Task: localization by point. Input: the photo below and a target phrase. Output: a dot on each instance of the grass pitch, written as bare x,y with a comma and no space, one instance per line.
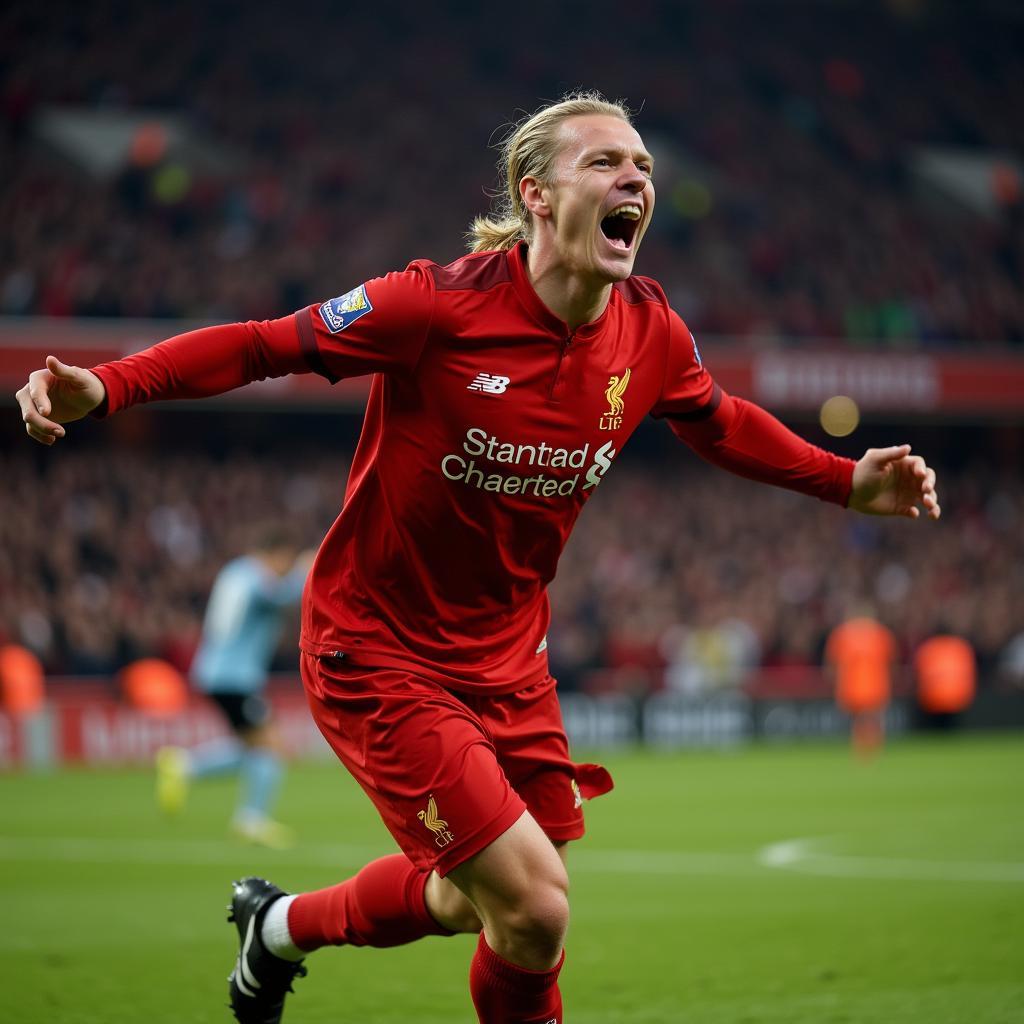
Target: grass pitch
760,886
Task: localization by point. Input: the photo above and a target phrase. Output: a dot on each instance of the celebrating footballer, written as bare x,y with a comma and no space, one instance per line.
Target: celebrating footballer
504,387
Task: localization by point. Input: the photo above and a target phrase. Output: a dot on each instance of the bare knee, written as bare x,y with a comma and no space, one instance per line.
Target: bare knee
528,921
520,889
539,919
535,918
449,907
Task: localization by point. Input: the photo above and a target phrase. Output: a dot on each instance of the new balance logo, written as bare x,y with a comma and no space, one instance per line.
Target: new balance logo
492,383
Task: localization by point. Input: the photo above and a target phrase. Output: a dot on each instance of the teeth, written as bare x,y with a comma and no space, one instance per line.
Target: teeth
628,210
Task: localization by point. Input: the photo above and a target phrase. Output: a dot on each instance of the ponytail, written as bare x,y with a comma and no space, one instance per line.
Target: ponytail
495,234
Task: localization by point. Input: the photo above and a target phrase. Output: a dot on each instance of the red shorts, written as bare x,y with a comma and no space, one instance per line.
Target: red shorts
450,773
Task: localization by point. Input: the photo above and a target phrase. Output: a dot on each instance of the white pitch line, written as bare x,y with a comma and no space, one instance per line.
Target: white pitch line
795,855
97,850
662,862
806,857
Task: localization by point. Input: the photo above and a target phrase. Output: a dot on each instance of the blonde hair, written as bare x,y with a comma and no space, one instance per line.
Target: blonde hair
529,150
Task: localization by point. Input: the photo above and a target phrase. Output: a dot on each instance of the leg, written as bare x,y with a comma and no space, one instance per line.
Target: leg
244,714
177,768
261,771
388,903
452,909
868,733
520,890
427,762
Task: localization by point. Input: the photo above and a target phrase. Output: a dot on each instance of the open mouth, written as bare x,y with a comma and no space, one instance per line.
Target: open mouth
620,226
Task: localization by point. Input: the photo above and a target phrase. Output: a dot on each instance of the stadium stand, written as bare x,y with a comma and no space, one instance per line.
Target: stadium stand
795,201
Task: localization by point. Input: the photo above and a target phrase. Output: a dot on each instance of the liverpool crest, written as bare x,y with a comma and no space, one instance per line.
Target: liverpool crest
612,419
436,824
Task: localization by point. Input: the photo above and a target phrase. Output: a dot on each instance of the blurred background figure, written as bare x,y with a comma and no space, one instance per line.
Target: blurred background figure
22,681
861,651
154,687
241,629
945,671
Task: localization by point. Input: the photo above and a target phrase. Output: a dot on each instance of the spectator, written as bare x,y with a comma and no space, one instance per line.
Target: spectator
861,650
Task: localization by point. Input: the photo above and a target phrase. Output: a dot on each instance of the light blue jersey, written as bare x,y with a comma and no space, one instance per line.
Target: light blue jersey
243,624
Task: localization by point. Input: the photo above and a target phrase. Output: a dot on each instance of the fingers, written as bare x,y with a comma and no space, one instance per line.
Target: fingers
931,505
929,497
62,370
40,382
42,430
894,454
38,388
932,510
924,484
35,406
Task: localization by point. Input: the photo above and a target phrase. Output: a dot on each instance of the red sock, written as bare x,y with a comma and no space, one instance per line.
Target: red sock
506,994
383,905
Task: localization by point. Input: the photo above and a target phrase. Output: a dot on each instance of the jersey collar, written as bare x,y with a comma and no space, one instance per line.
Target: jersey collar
557,327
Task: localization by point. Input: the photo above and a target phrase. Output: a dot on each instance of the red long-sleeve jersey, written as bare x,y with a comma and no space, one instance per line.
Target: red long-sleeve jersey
489,426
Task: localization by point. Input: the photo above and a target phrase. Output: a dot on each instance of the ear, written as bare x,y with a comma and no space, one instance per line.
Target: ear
535,197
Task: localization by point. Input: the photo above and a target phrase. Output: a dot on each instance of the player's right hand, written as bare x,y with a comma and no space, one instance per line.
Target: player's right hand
55,395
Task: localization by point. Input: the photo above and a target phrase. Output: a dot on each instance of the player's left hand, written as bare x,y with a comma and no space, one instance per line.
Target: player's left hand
892,482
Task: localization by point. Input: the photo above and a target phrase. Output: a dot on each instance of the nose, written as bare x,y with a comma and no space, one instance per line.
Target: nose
633,179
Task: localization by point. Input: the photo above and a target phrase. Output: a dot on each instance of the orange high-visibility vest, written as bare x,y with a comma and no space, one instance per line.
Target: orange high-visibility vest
22,687
862,651
153,686
946,674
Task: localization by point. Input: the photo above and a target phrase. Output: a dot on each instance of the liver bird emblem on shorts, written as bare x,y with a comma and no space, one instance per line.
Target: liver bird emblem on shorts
612,419
436,824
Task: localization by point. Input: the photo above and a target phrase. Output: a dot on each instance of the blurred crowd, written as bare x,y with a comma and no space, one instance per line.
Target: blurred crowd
683,578
358,141
697,580
124,560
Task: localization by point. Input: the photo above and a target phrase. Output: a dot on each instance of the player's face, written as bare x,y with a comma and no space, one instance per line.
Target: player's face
601,198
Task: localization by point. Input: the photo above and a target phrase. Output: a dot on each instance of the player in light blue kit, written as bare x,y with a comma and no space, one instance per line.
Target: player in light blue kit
241,629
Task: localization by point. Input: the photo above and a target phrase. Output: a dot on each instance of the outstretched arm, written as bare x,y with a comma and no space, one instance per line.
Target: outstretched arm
205,362
745,439
379,327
